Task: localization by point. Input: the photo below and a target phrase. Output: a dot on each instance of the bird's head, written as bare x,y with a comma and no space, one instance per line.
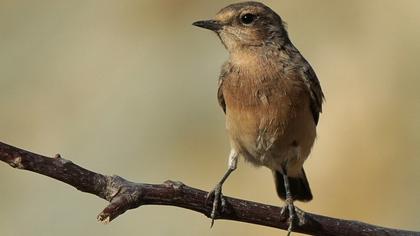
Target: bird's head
247,24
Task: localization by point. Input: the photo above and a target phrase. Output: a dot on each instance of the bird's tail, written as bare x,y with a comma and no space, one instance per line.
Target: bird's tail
299,187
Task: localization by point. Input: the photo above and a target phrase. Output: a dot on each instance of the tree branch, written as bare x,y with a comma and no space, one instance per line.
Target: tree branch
124,195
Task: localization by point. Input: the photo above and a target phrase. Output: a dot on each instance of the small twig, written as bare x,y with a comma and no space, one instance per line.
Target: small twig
124,195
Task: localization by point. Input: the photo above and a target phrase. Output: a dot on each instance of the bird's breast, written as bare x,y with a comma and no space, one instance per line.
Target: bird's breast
266,116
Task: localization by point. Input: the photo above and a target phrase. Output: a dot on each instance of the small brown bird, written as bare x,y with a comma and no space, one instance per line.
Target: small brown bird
271,97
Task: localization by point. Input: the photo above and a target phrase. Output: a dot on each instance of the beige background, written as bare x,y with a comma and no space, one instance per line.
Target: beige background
129,88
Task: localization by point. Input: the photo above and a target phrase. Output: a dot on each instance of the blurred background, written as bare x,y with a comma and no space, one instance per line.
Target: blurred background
129,88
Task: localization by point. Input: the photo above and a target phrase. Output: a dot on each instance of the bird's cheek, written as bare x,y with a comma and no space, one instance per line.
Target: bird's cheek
229,40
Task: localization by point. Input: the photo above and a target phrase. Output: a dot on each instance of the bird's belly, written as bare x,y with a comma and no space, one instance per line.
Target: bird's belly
267,138
243,129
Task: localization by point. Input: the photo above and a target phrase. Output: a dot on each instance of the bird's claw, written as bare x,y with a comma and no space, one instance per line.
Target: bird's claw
219,202
293,213
300,216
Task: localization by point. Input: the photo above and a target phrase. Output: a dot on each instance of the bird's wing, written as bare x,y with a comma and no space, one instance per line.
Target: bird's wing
317,96
226,68
220,97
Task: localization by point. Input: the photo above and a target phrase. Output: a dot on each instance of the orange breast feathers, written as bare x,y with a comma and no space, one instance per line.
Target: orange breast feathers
261,111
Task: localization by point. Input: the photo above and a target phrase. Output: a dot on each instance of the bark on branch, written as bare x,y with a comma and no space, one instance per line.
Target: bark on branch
123,195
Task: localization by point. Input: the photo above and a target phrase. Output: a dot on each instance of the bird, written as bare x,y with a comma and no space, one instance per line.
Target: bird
271,97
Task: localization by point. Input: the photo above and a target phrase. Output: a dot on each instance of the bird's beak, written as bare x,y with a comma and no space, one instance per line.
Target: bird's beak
212,25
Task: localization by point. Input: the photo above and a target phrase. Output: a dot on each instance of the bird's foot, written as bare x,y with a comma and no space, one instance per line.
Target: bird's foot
293,213
300,215
219,203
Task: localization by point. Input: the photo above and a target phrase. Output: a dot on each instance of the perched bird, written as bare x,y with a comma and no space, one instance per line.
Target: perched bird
271,97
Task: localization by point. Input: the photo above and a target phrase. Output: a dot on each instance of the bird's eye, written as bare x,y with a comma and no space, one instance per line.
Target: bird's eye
248,18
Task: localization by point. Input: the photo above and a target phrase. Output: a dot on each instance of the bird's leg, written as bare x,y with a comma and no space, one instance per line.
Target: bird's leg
289,204
216,193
